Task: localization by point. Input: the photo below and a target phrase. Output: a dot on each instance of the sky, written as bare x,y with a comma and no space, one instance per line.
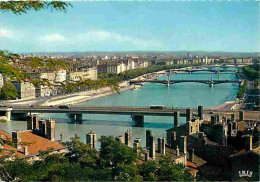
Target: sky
228,26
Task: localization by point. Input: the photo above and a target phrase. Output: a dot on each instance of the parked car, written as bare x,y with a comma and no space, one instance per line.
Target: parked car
64,107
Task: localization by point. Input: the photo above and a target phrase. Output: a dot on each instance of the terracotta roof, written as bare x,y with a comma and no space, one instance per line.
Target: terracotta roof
7,149
37,143
34,142
191,164
4,135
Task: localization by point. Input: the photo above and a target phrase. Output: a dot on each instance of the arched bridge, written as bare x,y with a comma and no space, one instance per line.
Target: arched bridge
169,82
204,70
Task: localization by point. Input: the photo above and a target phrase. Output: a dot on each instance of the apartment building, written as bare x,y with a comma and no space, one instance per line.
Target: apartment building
26,90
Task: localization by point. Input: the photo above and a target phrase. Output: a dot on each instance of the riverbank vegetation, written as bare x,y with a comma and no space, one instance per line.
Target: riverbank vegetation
242,90
251,73
114,162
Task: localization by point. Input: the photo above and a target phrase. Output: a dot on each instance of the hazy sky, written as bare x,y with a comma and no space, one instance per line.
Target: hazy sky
135,26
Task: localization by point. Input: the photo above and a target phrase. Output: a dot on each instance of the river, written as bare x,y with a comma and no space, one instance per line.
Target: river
177,95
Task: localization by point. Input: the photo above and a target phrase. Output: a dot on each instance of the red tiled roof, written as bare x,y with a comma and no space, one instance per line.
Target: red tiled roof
7,149
36,143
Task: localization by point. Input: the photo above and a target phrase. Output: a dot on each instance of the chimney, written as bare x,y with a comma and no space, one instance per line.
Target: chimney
188,114
26,151
16,138
120,138
159,140
50,130
61,137
173,140
249,143
241,116
148,135
212,120
217,119
91,139
200,112
30,122
35,121
191,155
176,119
163,146
136,144
183,144
152,147
177,151
232,117
42,127
146,157
127,138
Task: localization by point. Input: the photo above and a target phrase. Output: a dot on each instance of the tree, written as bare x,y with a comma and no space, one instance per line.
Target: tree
169,171
113,152
81,153
8,91
21,7
147,170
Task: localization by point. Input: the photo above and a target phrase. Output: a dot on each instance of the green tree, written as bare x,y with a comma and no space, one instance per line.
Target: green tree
21,7
81,153
113,152
8,91
169,171
147,170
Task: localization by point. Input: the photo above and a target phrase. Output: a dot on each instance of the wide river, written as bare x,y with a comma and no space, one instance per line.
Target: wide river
177,95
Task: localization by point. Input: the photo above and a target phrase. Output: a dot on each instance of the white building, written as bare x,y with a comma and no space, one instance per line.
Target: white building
1,80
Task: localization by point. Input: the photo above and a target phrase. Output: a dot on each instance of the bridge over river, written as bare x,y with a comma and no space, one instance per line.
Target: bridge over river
169,82
203,70
137,113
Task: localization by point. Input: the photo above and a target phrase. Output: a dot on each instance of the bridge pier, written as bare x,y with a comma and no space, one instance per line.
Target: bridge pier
75,118
72,117
8,114
79,118
19,116
138,120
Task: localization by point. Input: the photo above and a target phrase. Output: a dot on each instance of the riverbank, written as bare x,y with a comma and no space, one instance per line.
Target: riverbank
93,94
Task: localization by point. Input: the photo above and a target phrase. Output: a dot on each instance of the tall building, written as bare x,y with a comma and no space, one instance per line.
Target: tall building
26,90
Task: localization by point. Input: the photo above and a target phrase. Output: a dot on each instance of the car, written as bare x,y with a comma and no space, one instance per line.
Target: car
64,106
31,105
51,106
160,107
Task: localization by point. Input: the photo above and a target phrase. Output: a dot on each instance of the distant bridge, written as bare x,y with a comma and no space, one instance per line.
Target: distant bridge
203,70
169,82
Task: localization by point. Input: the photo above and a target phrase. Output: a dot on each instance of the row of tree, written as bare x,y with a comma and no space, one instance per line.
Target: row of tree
114,162
242,90
251,73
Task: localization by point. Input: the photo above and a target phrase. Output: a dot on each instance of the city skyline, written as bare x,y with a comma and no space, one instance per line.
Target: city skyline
135,26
